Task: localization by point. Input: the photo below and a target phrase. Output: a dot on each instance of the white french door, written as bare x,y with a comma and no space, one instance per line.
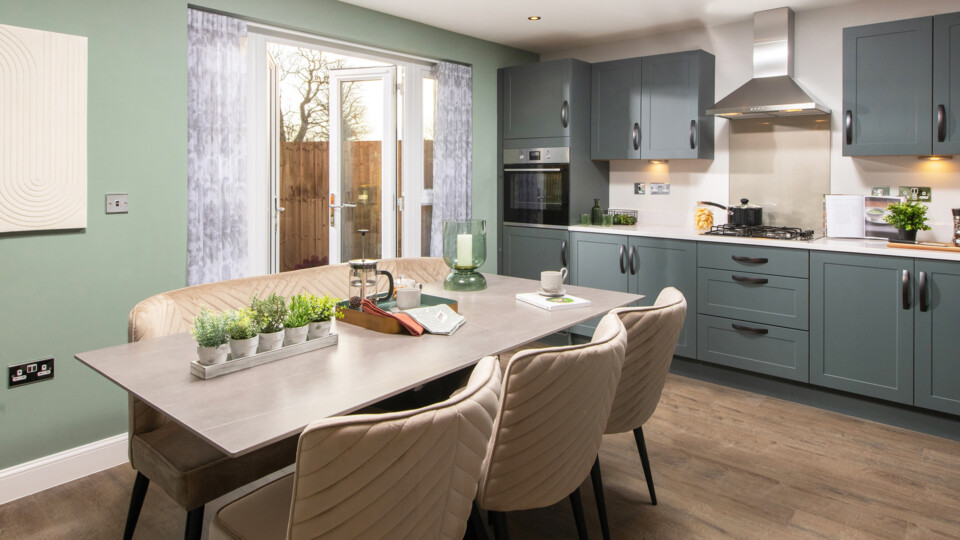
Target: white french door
363,163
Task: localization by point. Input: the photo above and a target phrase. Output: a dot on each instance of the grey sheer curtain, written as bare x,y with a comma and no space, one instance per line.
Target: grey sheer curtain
452,149
216,148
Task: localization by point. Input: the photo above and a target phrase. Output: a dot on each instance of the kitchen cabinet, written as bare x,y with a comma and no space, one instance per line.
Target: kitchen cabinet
937,351
545,100
527,251
862,324
653,107
615,110
760,348
901,87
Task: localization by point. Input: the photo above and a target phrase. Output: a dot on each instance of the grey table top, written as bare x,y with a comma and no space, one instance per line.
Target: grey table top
249,409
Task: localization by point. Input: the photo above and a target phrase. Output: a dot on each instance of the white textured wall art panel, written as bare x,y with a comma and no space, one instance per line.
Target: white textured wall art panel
43,130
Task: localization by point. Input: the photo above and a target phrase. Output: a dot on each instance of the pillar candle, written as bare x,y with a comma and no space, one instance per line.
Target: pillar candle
464,250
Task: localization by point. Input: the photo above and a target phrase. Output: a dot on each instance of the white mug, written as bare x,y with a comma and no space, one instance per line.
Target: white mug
408,298
552,281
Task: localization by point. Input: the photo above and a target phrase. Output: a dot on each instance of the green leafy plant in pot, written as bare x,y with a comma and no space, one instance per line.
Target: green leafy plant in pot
323,309
270,314
210,331
243,331
298,317
908,217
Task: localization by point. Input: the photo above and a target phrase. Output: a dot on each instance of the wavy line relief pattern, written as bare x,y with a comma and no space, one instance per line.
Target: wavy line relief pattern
43,167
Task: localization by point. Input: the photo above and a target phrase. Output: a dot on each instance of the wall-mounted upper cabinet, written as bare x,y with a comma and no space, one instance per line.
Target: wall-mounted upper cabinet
545,100
901,87
653,107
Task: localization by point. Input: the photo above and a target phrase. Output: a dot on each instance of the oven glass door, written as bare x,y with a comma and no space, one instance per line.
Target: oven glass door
536,193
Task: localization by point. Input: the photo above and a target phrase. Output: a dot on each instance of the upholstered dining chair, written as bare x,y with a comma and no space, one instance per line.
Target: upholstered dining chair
553,410
652,335
408,474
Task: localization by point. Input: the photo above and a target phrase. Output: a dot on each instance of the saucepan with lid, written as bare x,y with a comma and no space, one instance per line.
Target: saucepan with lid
742,214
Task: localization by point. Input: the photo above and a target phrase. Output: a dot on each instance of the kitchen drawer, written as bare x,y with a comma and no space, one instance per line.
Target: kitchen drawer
762,298
776,261
771,350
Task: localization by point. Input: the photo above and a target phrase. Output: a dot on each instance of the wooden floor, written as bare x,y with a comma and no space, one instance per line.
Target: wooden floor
727,464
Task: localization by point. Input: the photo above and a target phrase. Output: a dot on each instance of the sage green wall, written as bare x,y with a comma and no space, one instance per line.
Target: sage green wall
67,292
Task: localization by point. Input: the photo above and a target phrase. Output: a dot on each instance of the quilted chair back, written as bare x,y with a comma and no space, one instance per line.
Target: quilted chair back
553,409
652,335
411,474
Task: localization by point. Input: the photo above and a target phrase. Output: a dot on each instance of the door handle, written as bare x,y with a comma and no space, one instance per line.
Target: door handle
848,127
923,292
563,253
905,289
344,205
941,123
565,114
754,260
750,280
636,136
750,329
693,134
623,263
632,256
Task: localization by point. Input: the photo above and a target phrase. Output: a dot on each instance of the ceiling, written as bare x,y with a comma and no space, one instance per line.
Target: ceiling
576,23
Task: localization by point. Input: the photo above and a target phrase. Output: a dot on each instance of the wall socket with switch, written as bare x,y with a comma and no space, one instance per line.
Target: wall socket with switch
30,372
639,188
117,203
659,189
915,193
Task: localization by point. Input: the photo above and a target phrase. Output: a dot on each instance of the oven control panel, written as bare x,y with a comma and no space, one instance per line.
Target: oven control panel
513,156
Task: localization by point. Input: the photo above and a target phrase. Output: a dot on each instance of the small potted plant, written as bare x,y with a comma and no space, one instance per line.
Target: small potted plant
210,331
270,314
322,311
908,217
243,332
298,316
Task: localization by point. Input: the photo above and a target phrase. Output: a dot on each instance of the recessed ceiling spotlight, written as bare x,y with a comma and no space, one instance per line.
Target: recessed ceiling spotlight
533,18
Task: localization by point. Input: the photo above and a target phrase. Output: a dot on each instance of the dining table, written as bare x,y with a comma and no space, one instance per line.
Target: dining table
249,409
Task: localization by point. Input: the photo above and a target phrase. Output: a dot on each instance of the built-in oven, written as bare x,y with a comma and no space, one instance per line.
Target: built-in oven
536,185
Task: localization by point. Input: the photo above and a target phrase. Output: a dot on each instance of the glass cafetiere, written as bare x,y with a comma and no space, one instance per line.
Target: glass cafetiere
363,282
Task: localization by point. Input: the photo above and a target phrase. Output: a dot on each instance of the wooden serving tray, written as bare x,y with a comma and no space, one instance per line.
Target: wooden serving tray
387,325
931,246
208,372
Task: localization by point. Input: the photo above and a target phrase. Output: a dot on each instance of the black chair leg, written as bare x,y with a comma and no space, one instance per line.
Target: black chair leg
194,527
140,486
476,529
499,525
598,494
578,514
645,461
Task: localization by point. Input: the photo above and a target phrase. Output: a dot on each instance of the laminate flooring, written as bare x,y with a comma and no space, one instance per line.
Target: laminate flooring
727,464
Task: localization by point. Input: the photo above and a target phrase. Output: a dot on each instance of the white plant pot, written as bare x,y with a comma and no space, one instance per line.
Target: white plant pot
319,329
295,335
270,342
240,348
213,355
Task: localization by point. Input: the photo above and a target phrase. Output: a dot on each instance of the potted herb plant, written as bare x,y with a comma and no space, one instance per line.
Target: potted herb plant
210,331
322,311
270,314
908,217
298,316
243,332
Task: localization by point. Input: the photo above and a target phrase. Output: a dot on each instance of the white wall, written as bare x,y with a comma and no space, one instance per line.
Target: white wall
818,66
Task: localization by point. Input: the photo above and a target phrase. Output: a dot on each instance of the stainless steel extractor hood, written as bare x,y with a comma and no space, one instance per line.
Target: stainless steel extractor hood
772,91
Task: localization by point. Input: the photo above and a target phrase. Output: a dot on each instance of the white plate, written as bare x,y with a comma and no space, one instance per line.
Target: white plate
552,294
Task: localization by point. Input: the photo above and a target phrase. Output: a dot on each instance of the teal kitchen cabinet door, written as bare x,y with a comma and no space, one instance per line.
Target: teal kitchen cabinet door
946,84
536,100
527,251
937,358
615,110
862,324
655,264
887,87
599,261
676,90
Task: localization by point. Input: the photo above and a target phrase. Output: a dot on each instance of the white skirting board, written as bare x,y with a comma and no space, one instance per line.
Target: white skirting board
60,468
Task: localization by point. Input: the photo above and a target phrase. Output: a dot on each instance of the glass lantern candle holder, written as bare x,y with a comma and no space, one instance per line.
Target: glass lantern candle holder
464,250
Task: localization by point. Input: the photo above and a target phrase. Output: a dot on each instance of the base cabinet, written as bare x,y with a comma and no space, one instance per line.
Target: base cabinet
761,348
861,324
527,251
937,334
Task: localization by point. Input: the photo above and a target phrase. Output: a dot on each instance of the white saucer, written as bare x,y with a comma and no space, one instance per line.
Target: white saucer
552,294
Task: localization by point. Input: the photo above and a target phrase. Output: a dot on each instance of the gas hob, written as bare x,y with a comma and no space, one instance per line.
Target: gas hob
761,231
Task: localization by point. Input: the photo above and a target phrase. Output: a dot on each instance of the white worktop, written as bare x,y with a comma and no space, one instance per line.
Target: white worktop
845,245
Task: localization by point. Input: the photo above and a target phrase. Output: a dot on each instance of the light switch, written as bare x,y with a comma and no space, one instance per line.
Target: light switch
117,203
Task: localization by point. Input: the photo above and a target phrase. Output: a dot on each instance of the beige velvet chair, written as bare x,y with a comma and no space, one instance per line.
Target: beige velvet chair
409,474
188,469
554,407
652,335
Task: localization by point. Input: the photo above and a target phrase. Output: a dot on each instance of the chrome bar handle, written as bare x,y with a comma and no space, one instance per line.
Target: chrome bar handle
848,127
941,123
